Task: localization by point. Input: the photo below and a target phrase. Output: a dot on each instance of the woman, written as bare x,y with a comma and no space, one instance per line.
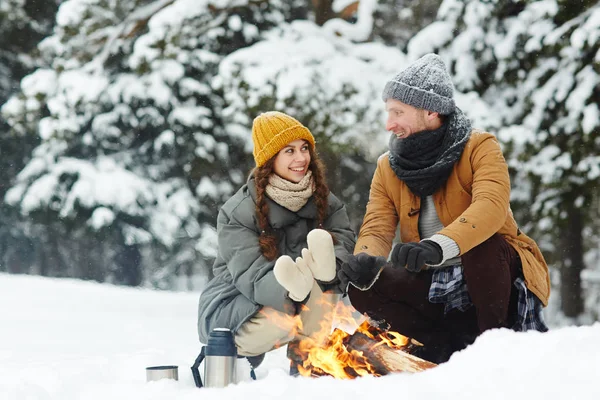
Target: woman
284,212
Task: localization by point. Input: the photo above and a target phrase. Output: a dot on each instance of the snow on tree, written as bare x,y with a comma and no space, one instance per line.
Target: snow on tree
134,156
396,21
537,63
23,23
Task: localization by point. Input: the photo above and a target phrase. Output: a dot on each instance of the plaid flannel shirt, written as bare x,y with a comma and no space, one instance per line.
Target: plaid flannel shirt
448,286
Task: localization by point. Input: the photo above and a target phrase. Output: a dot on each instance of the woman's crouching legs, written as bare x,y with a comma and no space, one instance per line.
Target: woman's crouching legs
268,329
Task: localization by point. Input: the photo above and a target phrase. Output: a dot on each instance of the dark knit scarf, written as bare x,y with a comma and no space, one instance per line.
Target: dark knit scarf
424,160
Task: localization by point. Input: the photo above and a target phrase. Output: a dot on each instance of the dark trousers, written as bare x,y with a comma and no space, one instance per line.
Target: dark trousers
400,298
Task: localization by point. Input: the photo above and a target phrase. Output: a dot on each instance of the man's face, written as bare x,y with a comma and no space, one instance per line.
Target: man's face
404,120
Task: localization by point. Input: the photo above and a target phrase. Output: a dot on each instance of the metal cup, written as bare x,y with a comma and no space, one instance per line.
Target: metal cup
162,372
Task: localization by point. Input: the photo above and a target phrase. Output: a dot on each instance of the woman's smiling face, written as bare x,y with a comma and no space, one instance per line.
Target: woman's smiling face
291,163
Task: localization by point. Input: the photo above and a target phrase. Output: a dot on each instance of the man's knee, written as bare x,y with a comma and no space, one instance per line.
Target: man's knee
361,300
494,249
394,285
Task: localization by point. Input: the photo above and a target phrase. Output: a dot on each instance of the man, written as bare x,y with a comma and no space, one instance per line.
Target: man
463,266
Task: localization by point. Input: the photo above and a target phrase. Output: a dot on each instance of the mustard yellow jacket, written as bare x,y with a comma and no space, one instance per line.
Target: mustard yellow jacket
472,205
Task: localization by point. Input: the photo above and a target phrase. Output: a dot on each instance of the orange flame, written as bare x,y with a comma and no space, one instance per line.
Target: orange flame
327,354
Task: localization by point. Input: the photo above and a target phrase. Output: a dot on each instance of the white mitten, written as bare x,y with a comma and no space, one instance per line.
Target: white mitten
320,255
295,277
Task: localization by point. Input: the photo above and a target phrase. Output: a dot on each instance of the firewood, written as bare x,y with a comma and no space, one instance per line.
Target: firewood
385,359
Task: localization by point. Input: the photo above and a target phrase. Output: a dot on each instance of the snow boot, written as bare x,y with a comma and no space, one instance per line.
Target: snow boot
255,361
293,354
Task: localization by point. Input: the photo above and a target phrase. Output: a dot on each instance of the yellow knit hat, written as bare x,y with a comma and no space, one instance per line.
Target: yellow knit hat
272,130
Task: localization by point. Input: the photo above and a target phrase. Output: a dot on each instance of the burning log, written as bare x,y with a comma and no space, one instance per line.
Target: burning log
383,358
370,350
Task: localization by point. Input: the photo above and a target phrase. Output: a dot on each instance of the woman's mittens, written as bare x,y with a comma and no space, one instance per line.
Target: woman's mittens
295,277
320,255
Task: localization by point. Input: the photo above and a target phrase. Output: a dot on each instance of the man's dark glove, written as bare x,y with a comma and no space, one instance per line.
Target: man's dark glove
414,256
361,270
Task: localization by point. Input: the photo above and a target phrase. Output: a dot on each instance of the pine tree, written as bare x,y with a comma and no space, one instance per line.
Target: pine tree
134,157
23,23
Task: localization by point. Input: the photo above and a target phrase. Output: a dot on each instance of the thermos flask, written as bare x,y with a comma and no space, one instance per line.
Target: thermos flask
219,356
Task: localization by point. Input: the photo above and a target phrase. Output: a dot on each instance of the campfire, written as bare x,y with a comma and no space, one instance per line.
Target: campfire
367,351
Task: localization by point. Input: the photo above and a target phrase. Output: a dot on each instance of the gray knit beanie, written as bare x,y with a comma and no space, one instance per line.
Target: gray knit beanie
424,84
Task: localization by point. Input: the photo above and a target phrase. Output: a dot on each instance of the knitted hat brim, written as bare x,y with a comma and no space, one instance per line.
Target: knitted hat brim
418,98
280,140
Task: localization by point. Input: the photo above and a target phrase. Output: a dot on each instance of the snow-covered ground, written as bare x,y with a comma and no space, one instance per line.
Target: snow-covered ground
67,339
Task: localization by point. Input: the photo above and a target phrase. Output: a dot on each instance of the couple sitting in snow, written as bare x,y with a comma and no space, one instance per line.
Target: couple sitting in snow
462,266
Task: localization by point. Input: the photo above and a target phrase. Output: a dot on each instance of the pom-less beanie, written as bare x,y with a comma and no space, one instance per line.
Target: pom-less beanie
272,131
424,84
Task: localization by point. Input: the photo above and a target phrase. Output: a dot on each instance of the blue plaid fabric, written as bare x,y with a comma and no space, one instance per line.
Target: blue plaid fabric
448,287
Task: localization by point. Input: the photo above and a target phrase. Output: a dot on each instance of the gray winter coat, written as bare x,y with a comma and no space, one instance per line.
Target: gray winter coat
243,278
